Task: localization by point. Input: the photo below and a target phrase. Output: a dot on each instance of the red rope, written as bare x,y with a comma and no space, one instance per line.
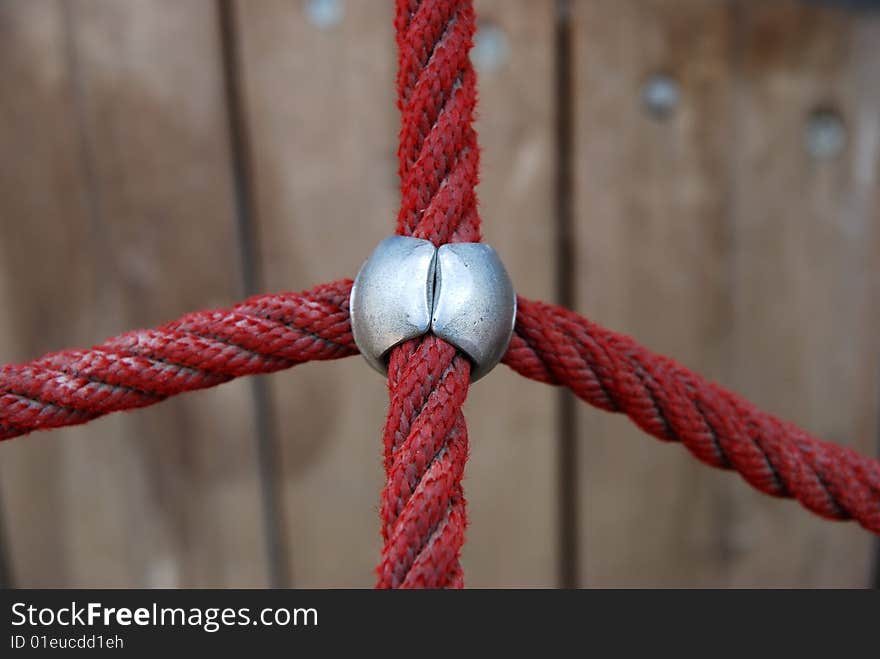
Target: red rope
263,334
425,438
614,373
550,344
423,509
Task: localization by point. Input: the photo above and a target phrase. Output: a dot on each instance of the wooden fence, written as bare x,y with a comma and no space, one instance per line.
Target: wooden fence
706,172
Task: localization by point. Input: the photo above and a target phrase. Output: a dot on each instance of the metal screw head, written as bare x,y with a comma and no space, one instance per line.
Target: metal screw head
660,95
491,48
325,14
825,134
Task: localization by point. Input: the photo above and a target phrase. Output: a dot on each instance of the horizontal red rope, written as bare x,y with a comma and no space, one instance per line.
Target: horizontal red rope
666,400
263,334
550,344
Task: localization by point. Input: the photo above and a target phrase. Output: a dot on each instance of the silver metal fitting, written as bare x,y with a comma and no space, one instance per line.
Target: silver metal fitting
392,297
461,292
474,303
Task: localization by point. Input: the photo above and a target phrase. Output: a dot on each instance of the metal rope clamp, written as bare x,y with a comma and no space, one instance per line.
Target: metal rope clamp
460,292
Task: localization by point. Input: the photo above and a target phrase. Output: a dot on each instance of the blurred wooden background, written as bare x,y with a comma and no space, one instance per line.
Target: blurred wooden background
707,172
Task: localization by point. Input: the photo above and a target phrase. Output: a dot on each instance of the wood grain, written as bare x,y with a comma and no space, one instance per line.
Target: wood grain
651,247
117,213
319,105
714,237
511,479
805,269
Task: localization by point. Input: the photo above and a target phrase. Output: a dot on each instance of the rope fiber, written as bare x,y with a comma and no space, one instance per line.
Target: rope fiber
425,436
263,334
550,344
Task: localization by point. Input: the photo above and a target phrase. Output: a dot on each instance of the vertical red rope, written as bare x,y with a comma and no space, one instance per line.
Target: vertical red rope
426,443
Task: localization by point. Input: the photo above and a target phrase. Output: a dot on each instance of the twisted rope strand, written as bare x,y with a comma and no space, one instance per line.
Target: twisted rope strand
550,344
614,373
425,437
261,335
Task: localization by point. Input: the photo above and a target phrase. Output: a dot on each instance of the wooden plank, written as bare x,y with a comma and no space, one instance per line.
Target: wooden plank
806,263
117,212
320,109
32,61
511,478
714,237
323,123
651,205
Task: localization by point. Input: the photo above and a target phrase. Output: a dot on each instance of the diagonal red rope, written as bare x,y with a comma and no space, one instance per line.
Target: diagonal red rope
425,437
666,400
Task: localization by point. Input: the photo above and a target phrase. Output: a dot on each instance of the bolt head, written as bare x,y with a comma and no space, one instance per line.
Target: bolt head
324,14
491,48
660,95
825,135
